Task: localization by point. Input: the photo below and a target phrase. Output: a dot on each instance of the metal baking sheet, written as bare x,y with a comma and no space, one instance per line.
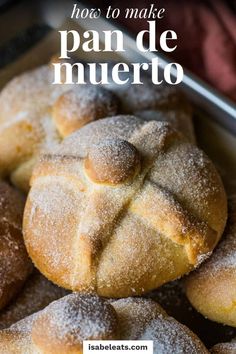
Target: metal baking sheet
32,38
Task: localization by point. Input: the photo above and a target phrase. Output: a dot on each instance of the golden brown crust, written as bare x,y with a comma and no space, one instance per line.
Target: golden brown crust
61,327
149,96
157,102
134,315
107,230
77,107
35,114
180,119
15,342
212,288
214,295
65,323
21,175
15,264
112,161
29,103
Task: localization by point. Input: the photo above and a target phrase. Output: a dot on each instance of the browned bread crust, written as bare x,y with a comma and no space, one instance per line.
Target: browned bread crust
64,325
77,107
35,114
115,191
212,288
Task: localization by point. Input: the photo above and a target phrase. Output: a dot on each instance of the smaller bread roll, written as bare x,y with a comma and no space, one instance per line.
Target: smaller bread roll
35,115
15,265
134,315
63,325
37,293
224,348
212,288
156,102
81,105
179,119
173,299
66,323
169,336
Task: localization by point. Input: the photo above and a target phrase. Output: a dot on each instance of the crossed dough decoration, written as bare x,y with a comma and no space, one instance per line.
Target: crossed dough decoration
113,192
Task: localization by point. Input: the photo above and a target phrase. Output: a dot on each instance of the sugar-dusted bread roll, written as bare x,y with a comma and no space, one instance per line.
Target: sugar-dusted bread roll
35,114
144,319
36,294
212,288
81,105
15,264
179,119
224,348
63,325
121,207
156,102
172,298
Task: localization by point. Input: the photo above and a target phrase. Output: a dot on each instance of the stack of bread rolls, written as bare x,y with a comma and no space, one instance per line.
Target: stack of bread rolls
119,201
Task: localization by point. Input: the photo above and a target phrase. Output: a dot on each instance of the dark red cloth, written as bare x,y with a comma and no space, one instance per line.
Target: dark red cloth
206,37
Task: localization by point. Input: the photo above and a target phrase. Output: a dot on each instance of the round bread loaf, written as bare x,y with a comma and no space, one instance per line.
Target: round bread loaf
212,288
121,207
63,326
35,115
15,264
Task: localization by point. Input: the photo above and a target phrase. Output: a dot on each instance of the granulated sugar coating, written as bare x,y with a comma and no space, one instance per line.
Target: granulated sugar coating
81,105
178,118
112,161
143,319
64,324
72,319
148,96
169,336
134,314
225,254
126,189
121,127
211,289
35,115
